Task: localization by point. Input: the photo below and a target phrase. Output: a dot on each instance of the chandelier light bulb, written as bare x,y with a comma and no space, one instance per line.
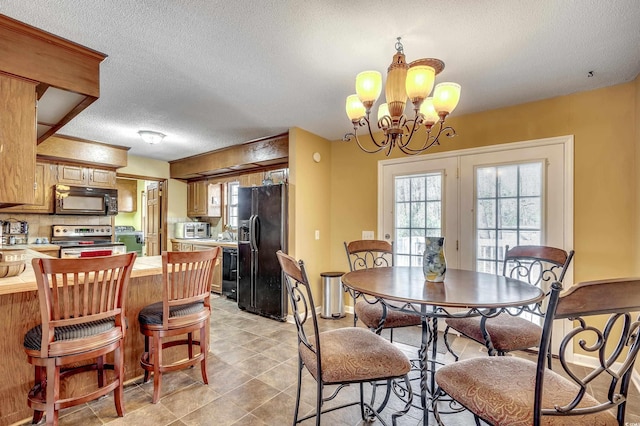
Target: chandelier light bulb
446,97
429,112
368,87
355,109
419,82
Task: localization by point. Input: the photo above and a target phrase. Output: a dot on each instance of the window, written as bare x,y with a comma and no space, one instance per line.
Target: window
418,208
508,211
232,203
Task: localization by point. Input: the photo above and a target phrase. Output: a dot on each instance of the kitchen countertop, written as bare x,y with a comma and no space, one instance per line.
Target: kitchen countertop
36,247
205,242
26,281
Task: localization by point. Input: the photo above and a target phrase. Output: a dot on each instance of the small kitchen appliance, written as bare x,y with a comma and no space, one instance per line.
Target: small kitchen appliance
192,230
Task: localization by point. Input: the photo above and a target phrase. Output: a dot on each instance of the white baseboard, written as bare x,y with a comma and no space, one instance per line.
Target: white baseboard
588,361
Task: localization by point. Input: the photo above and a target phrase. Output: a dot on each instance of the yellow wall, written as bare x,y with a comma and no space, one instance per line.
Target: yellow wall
310,204
636,123
605,139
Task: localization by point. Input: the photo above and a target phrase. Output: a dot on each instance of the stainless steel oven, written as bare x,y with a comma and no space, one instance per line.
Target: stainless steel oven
85,241
80,200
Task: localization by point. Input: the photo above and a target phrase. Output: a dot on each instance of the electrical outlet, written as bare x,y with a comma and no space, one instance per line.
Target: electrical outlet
317,234
367,235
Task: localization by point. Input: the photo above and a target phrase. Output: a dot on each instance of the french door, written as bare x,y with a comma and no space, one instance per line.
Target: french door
420,199
480,200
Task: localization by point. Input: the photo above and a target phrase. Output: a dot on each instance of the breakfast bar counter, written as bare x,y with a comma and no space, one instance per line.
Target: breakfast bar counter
20,311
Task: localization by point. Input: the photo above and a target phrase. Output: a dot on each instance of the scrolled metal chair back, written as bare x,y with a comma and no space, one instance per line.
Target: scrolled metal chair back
365,254
537,265
299,290
614,344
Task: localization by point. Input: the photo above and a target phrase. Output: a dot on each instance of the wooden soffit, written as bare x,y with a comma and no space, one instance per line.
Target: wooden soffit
75,150
69,71
254,155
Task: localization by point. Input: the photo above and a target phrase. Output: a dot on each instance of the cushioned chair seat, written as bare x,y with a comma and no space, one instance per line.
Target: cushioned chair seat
152,314
370,314
508,333
355,354
33,337
501,390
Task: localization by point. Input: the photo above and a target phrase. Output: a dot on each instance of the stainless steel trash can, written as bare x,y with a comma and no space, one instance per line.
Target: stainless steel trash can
332,295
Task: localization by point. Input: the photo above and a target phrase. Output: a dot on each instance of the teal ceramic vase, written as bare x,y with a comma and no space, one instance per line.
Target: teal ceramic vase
434,264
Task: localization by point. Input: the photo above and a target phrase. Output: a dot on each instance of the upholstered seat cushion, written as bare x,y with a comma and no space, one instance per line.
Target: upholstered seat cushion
354,354
370,314
501,390
508,333
152,314
33,337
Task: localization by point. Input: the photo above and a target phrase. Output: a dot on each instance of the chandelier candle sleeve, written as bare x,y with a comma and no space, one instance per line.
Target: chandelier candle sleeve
414,81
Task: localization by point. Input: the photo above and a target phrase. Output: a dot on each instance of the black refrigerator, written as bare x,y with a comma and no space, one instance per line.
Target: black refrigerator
262,230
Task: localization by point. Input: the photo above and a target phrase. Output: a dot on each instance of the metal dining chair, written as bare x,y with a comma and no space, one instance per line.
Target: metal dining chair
365,254
516,391
537,265
341,357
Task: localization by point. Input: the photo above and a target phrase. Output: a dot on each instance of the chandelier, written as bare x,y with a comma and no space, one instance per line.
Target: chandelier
414,81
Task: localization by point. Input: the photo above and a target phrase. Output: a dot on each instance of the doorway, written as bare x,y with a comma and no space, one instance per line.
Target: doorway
144,219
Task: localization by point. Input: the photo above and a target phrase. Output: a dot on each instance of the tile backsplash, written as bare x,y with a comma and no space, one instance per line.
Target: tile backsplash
40,224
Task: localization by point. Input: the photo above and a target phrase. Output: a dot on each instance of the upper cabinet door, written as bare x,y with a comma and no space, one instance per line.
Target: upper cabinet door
102,178
85,176
214,200
72,175
17,141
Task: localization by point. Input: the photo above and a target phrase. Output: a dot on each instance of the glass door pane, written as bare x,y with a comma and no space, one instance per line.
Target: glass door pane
418,207
509,202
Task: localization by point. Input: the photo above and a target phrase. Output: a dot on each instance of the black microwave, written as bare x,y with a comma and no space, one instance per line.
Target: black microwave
80,200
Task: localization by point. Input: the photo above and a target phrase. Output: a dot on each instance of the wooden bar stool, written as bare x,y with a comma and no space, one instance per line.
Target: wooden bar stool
82,305
183,310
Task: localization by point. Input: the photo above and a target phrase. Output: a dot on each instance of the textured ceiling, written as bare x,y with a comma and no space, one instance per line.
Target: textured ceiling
210,74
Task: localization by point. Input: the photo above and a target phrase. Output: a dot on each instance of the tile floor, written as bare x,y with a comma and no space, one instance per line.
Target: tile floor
252,381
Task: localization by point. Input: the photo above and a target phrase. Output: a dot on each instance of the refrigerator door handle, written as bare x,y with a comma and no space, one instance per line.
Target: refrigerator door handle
256,232
252,234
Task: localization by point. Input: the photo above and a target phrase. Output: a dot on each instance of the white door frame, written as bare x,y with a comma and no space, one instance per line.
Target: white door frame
565,141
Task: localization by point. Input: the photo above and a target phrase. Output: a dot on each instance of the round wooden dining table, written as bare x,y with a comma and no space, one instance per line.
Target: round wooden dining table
463,293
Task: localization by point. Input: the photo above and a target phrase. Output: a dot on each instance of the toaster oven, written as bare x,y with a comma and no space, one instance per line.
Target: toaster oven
187,230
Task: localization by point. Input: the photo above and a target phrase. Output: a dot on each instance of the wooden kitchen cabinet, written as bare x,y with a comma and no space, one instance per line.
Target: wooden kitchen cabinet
196,199
86,176
216,280
204,199
43,190
175,246
214,200
127,195
17,141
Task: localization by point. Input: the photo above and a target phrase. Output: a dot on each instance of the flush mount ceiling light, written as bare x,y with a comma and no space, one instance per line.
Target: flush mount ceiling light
414,81
151,137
